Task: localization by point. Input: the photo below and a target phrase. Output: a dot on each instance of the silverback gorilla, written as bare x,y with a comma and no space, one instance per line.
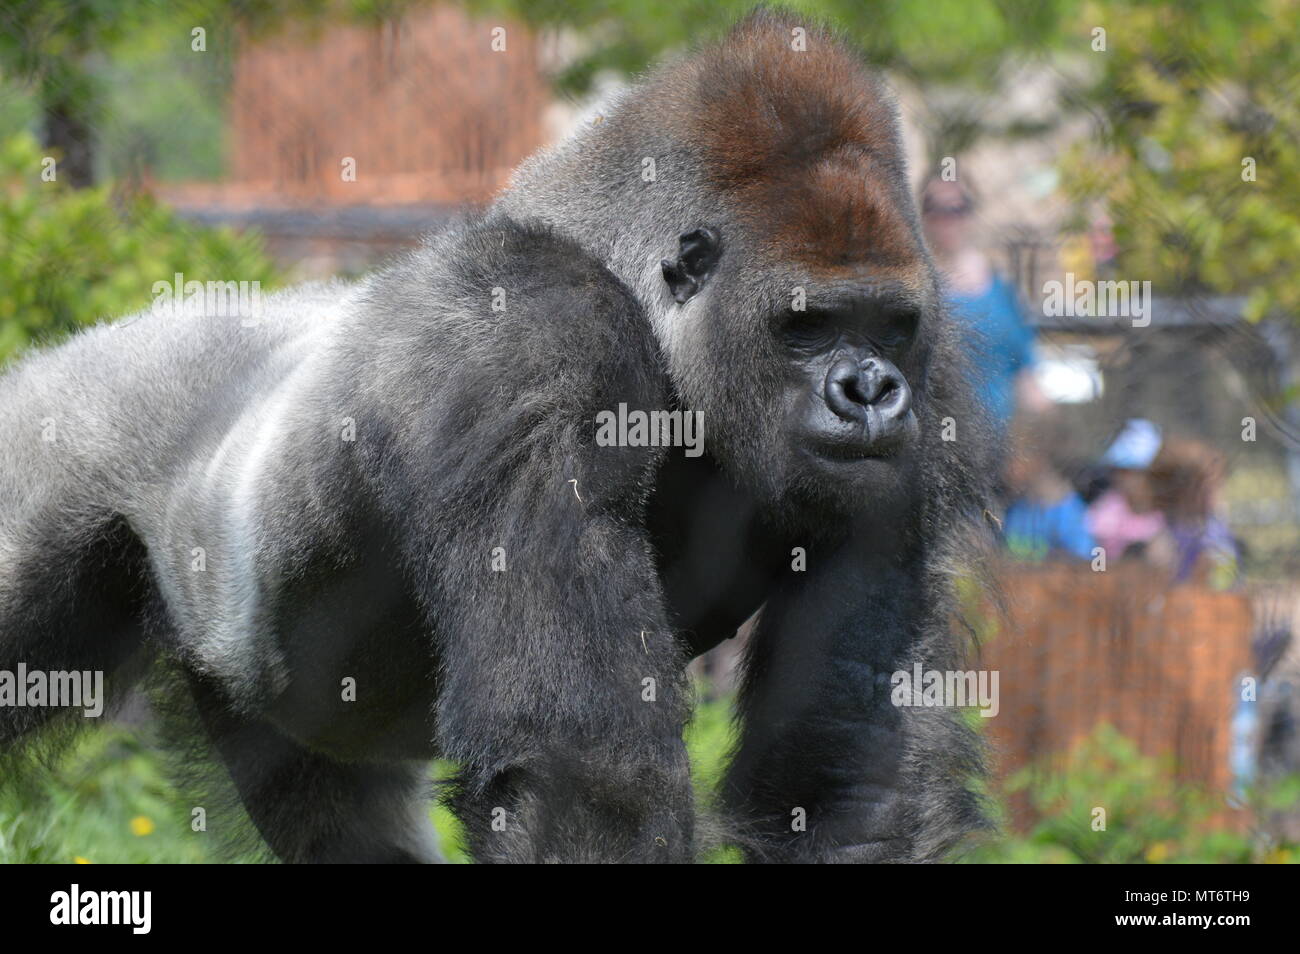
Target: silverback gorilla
376,526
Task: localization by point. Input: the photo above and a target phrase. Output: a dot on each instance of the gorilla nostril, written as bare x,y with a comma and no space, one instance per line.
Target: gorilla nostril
853,391
894,391
844,390
889,391
877,388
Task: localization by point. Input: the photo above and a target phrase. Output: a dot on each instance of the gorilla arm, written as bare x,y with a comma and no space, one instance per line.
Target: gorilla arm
828,768
560,687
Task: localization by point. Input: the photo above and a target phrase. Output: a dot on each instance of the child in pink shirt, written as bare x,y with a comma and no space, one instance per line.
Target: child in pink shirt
1126,515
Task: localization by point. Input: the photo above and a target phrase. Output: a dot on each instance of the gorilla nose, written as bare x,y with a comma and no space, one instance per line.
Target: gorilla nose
870,391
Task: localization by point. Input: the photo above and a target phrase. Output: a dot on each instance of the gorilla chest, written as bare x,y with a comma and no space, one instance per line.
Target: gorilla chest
717,558
360,662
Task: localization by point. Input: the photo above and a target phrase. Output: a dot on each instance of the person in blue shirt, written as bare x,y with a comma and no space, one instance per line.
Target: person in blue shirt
1047,519
1002,341
1036,530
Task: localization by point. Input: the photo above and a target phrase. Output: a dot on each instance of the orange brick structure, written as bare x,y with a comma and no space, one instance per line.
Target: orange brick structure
432,116
427,109
1081,648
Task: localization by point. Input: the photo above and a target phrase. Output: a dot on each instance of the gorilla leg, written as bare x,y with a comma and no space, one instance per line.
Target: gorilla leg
828,769
311,808
71,599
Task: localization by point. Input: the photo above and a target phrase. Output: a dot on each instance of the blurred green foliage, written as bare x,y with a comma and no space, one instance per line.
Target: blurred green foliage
164,106
125,80
1149,816
937,41
108,800
50,45
69,257
1198,114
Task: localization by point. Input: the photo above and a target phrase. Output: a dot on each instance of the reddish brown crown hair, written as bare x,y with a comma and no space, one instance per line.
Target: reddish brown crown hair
806,141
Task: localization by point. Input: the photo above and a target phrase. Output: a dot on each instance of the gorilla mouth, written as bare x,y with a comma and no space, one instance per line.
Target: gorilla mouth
851,449
869,439
852,452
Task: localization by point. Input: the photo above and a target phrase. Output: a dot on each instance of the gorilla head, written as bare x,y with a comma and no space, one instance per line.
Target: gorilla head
762,216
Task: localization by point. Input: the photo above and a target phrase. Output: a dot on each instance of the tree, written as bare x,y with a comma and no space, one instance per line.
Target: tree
49,43
69,257
1198,117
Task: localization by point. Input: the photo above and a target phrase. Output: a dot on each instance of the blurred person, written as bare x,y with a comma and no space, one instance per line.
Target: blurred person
986,301
1195,544
1243,745
1093,252
1101,241
1125,519
1046,516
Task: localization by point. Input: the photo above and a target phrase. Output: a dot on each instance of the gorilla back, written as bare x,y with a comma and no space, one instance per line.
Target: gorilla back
376,524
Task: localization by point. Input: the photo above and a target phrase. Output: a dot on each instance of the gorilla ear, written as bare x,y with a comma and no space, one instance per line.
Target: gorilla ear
697,256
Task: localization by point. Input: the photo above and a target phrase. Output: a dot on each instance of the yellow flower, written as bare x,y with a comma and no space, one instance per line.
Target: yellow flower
1158,852
78,860
142,826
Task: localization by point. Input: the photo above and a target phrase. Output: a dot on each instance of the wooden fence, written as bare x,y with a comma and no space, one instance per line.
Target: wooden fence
1163,666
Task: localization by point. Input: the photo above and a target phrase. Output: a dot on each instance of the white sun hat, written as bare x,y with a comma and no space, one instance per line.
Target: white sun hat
1136,447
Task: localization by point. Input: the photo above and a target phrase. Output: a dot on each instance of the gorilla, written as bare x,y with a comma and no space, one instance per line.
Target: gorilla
375,526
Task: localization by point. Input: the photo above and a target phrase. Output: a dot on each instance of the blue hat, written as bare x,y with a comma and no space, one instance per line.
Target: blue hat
1136,447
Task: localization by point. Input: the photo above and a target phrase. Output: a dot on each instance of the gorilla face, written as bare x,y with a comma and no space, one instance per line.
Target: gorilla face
812,409
849,401
849,427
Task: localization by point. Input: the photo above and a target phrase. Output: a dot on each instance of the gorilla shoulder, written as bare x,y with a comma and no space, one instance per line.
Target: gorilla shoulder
518,307
506,340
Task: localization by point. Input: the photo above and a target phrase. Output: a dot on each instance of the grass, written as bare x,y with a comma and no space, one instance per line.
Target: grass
109,800
106,800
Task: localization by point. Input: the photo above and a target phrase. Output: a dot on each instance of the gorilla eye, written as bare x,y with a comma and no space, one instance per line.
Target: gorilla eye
809,331
897,329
